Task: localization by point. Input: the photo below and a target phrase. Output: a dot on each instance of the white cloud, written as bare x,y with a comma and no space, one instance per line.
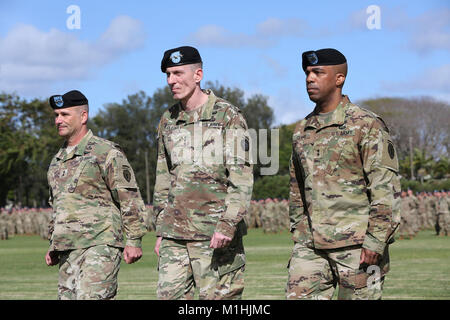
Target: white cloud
124,34
434,80
275,27
216,36
427,32
279,70
31,59
267,34
357,20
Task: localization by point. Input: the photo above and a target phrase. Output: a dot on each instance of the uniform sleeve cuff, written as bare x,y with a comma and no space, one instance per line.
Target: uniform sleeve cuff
226,229
373,244
137,243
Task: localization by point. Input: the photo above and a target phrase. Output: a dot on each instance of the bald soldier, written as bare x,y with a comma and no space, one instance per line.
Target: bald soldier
95,201
343,185
203,186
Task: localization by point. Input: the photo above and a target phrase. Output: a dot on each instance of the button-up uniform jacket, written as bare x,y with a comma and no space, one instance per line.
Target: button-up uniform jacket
204,174
344,184
94,196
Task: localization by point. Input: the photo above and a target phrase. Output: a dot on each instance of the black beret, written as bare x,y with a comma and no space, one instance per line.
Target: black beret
322,57
180,56
70,99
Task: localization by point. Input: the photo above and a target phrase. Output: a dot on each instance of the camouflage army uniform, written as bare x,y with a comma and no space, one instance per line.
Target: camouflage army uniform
199,195
406,226
94,196
343,182
414,209
430,210
284,205
422,210
268,217
443,214
3,227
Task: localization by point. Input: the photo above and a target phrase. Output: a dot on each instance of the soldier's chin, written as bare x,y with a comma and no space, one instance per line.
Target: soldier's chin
63,133
313,97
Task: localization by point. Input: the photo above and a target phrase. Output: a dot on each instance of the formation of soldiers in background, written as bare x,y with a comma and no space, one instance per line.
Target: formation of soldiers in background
422,211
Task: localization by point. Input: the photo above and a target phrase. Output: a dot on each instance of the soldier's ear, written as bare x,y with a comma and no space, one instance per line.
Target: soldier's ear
84,117
340,79
198,75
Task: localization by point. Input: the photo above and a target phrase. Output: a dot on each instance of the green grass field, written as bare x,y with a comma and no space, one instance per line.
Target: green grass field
420,269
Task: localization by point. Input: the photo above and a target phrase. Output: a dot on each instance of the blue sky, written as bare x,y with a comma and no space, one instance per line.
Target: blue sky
252,45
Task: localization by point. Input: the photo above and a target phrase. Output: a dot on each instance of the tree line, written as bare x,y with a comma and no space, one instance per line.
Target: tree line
29,140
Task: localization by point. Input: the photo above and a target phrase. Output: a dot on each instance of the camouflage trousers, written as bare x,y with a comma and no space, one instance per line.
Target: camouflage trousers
406,226
3,231
269,222
185,265
315,274
89,273
443,220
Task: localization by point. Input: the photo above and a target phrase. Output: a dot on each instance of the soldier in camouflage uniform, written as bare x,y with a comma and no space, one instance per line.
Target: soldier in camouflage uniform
343,185
414,208
95,198
3,225
203,187
284,204
435,206
251,218
429,210
268,216
148,218
422,210
443,213
406,229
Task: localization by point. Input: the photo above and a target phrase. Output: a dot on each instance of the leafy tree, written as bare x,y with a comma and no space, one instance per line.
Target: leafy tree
271,187
133,125
424,120
286,132
441,168
28,140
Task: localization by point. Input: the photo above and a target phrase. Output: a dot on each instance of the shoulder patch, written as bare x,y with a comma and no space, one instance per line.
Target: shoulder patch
389,154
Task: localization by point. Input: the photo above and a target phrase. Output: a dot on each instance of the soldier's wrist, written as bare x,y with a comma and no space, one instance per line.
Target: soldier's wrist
137,243
373,244
226,229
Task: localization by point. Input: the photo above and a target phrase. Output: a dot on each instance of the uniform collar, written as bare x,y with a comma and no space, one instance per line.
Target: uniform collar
337,117
209,105
206,109
79,149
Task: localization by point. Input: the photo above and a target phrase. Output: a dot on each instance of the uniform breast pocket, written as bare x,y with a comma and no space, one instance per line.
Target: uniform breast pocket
178,144
302,157
83,173
211,151
337,152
